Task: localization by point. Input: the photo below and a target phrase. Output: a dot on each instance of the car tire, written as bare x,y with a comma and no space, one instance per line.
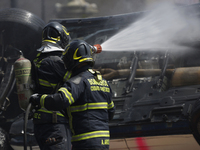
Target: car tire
22,30
195,121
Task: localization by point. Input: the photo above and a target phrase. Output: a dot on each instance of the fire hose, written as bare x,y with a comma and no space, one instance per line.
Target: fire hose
25,125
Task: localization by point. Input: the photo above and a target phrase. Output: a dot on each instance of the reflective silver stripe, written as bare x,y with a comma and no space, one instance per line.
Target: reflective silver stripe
67,76
92,71
111,105
89,135
68,95
101,105
46,83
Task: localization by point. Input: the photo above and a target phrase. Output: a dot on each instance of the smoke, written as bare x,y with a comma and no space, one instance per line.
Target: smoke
166,27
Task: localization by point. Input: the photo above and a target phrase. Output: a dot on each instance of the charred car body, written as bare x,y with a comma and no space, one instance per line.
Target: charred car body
156,92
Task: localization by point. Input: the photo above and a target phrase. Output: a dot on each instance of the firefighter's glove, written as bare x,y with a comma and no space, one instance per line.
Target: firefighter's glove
35,101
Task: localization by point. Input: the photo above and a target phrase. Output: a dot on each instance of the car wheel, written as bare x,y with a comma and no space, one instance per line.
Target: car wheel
195,121
19,30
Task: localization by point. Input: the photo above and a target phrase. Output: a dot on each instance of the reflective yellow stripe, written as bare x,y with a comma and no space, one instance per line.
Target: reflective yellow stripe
56,39
111,105
92,71
46,83
75,57
66,50
101,105
84,59
89,135
46,111
38,64
68,95
42,99
67,76
65,30
51,41
38,55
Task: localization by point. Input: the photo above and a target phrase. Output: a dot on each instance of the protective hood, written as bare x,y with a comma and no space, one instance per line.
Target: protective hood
49,48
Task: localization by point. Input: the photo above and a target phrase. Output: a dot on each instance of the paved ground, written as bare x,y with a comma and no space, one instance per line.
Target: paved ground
172,142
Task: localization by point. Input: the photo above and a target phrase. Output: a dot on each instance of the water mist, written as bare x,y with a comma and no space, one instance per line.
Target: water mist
166,27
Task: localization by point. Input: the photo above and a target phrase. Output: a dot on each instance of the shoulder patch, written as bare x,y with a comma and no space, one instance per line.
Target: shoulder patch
76,80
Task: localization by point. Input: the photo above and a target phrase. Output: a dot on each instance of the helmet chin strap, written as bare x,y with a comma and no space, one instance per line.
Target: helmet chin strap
80,66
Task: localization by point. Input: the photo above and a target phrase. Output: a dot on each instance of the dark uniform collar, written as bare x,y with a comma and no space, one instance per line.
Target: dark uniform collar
79,70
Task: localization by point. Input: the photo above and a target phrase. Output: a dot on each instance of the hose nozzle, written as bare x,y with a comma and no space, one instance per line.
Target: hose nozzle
97,48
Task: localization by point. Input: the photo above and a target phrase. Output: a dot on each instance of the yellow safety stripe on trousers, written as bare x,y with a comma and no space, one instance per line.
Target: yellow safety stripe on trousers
42,99
46,83
68,95
50,112
67,76
101,105
111,105
89,135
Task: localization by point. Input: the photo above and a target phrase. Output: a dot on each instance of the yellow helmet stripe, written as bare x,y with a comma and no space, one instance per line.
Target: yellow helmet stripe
51,41
75,57
84,59
66,51
56,39
64,29
50,112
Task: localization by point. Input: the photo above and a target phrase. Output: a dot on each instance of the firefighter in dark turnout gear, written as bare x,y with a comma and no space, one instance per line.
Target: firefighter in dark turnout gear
86,95
51,128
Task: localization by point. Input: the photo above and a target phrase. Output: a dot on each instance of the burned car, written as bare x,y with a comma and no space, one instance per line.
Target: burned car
155,78
155,81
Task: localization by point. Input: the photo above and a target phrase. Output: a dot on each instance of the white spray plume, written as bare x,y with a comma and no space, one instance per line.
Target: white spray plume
165,27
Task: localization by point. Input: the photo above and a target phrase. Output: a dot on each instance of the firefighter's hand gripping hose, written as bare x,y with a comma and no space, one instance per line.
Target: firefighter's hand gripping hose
34,102
25,125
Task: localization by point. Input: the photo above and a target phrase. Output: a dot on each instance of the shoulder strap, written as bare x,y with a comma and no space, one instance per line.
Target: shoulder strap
97,74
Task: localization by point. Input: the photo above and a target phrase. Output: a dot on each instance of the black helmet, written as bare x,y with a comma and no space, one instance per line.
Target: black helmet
56,33
77,52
